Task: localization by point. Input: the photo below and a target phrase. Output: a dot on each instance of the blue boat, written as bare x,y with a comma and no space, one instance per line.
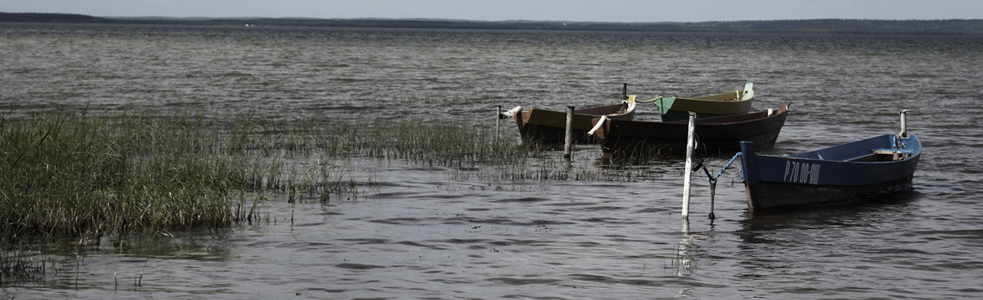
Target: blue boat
833,175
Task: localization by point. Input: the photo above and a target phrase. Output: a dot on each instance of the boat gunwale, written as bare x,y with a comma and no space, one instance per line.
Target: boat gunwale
768,188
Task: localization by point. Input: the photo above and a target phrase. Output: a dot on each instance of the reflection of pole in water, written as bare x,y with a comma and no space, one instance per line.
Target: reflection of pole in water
683,261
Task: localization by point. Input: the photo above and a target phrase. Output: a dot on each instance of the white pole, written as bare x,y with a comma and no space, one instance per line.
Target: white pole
688,172
904,127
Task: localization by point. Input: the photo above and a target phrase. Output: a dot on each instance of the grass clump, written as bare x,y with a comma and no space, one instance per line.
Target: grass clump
70,173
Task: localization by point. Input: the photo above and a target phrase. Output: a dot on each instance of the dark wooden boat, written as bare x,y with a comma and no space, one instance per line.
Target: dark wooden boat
549,126
625,138
678,108
837,174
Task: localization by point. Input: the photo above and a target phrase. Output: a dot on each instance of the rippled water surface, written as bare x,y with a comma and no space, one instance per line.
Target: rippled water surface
439,233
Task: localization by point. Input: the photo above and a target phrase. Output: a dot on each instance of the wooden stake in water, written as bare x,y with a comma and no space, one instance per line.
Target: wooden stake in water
689,163
568,142
498,122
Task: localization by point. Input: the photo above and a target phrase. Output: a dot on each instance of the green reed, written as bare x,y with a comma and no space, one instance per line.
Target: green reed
437,143
72,173
77,173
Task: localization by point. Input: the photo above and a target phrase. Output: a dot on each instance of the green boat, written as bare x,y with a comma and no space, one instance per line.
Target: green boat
676,109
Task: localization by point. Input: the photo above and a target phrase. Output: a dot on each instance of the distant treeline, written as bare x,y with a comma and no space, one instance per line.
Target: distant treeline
827,26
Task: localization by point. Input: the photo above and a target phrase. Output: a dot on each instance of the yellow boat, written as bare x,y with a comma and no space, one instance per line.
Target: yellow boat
676,109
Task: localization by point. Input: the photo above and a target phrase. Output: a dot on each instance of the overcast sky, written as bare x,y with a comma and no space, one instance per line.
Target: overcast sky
536,10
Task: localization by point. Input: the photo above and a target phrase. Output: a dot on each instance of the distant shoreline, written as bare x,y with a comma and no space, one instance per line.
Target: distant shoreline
952,27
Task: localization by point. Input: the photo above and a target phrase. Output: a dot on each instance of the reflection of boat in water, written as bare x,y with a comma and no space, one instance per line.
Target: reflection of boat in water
831,175
677,108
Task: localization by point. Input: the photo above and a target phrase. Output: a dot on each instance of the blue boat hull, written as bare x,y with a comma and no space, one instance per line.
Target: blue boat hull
837,174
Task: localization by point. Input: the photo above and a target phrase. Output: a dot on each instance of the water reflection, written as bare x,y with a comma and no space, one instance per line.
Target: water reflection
683,263
61,262
878,204
830,242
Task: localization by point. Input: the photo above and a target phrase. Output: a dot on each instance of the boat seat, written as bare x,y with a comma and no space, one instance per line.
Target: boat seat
894,154
878,155
893,151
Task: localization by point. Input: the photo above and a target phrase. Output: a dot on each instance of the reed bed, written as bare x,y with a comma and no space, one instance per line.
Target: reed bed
80,174
71,173
75,174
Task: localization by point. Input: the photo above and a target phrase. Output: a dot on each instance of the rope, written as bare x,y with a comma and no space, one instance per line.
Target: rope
598,125
713,179
732,159
510,113
650,100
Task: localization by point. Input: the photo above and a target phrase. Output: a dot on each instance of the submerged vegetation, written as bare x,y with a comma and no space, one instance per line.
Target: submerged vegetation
76,173
83,174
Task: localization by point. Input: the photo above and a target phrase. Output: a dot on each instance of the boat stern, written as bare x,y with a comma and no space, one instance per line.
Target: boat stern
748,161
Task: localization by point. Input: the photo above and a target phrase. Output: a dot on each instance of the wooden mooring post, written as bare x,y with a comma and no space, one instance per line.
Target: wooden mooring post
498,122
568,141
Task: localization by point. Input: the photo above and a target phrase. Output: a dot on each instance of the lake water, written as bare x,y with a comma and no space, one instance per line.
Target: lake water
440,233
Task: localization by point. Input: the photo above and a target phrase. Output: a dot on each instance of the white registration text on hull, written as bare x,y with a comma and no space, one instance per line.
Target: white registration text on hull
799,172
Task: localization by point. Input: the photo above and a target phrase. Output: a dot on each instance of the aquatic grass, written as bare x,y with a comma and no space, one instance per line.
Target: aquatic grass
77,174
71,173
315,154
550,165
466,145
18,266
444,143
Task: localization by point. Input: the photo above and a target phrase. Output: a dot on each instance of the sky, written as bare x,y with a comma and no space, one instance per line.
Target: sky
532,10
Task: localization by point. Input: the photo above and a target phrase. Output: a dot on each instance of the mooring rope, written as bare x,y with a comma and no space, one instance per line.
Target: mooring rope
713,179
598,125
511,112
650,100
732,159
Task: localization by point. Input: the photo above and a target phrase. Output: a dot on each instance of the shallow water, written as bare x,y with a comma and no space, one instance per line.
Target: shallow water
433,232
